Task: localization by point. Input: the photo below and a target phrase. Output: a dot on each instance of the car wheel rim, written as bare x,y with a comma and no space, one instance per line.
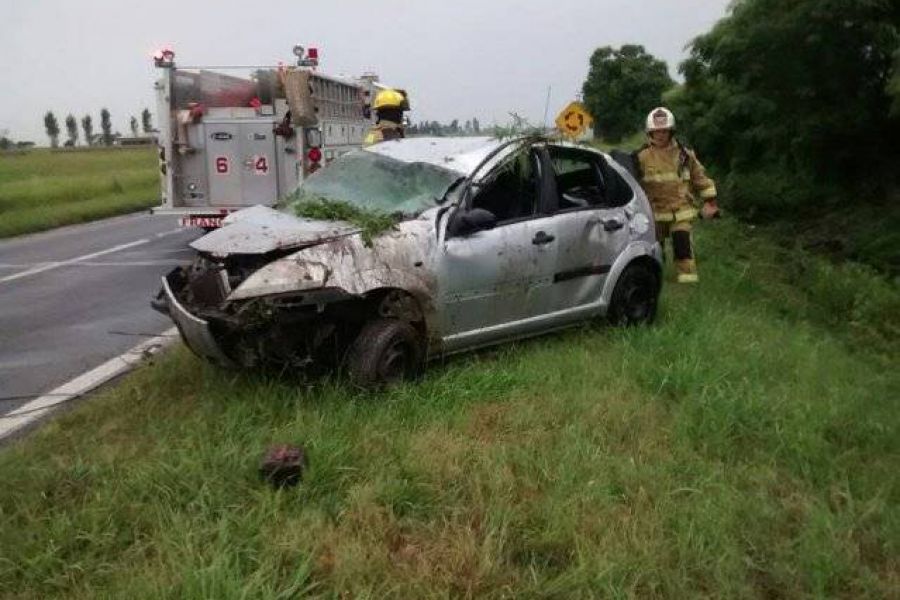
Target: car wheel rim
395,362
638,303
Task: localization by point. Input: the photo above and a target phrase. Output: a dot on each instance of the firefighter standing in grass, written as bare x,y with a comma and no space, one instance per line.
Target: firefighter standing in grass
670,175
389,106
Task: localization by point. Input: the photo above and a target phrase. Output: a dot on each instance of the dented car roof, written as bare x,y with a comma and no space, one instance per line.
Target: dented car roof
459,154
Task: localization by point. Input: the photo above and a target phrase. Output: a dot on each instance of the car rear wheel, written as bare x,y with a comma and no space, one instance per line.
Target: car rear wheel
386,351
635,297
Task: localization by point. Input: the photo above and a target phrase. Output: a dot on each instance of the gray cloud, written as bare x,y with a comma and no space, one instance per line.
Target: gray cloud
459,59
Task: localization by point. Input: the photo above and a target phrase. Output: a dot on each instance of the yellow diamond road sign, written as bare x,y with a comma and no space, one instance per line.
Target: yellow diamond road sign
574,120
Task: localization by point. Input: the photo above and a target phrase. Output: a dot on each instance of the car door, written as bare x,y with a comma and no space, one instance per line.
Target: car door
591,223
491,279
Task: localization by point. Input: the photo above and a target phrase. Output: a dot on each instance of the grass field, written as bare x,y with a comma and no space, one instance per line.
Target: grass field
746,446
41,189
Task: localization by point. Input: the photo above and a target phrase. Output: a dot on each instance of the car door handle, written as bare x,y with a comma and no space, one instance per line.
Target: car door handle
612,224
541,238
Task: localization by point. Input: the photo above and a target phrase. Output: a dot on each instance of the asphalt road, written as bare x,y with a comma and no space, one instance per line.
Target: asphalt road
74,297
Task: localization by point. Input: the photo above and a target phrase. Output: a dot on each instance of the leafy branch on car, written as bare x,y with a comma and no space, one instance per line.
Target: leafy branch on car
371,222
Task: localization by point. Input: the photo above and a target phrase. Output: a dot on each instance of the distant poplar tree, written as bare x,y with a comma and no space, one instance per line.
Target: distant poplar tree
87,125
72,130
146,121
134,126
52,127
106,127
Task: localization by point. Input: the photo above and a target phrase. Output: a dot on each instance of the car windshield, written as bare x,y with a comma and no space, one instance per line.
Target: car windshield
370,181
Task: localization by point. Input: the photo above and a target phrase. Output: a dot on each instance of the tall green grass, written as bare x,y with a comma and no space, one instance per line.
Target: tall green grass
42,189
744,446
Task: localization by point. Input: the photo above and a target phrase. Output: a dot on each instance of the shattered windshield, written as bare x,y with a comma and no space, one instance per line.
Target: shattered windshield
373,182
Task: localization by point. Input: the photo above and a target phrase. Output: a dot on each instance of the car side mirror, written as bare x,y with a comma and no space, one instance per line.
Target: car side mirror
464,222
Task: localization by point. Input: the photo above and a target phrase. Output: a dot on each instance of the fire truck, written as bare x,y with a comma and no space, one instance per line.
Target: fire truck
230,141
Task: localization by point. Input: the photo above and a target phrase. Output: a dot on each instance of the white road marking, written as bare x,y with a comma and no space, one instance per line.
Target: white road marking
24,266
133,263
168,233
55,265
37,408
127,263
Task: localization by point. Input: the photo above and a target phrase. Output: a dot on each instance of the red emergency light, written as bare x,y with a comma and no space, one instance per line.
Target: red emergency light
312,54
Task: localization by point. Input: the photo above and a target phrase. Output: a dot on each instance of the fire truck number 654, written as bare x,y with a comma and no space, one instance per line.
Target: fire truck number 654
260,165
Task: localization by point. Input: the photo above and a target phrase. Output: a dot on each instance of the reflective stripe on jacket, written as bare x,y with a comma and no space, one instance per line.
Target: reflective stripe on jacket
385,130
669,176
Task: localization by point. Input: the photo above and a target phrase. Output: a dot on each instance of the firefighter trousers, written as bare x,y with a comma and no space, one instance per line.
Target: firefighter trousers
679,232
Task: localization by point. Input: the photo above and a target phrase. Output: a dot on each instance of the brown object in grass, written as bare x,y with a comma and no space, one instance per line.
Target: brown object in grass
283,465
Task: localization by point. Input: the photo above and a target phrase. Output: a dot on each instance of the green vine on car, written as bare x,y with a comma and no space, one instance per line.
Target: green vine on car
371,223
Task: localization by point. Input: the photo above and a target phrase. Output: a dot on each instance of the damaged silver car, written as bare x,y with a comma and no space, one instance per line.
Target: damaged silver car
490,241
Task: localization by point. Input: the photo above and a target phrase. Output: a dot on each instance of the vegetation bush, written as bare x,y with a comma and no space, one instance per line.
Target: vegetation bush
794,99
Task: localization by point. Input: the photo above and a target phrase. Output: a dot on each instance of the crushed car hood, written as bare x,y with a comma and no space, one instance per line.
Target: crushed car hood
260,229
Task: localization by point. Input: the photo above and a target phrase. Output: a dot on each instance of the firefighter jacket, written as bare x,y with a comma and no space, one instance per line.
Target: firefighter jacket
384,130
671,177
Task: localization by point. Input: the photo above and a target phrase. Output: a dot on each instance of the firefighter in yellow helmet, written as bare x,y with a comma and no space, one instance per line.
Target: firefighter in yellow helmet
389,106
671,176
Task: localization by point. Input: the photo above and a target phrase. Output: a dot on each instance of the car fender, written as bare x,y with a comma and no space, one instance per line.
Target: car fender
634,250
397,259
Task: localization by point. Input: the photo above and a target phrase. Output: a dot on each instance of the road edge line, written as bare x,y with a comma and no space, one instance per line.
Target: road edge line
15,420
62,263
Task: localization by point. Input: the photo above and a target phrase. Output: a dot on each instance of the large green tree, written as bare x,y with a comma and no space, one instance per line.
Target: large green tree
622,86
793,99
51,125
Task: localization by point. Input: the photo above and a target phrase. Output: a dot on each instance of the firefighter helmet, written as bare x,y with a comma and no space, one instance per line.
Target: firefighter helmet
389,99
659,119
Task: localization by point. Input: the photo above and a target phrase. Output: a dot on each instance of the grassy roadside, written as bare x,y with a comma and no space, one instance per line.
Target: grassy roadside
745,446
42,189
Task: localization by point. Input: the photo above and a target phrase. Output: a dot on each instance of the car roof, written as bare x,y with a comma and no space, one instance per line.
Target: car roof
459,154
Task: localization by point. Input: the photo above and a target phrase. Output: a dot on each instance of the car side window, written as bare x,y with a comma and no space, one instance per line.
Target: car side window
618,192
510,192
584,179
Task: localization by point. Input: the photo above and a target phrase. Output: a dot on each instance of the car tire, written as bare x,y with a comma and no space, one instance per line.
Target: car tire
635,297
386,351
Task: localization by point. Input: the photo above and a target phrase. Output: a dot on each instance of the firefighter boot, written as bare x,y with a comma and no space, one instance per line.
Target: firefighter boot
683,250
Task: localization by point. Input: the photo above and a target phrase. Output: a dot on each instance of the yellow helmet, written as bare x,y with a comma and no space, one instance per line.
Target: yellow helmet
389,99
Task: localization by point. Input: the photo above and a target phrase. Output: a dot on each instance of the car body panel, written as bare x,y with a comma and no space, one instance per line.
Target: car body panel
493,276
260,229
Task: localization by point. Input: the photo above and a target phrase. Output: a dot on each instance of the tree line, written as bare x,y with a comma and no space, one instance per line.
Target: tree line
794,105
106,135
470,127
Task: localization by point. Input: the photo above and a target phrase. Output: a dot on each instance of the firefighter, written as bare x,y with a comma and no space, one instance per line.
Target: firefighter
671,175
389,106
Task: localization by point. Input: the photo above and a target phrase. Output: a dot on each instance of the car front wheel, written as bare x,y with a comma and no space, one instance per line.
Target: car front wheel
635,296
386,351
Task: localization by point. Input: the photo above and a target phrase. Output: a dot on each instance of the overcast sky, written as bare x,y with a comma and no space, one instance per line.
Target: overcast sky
457,58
